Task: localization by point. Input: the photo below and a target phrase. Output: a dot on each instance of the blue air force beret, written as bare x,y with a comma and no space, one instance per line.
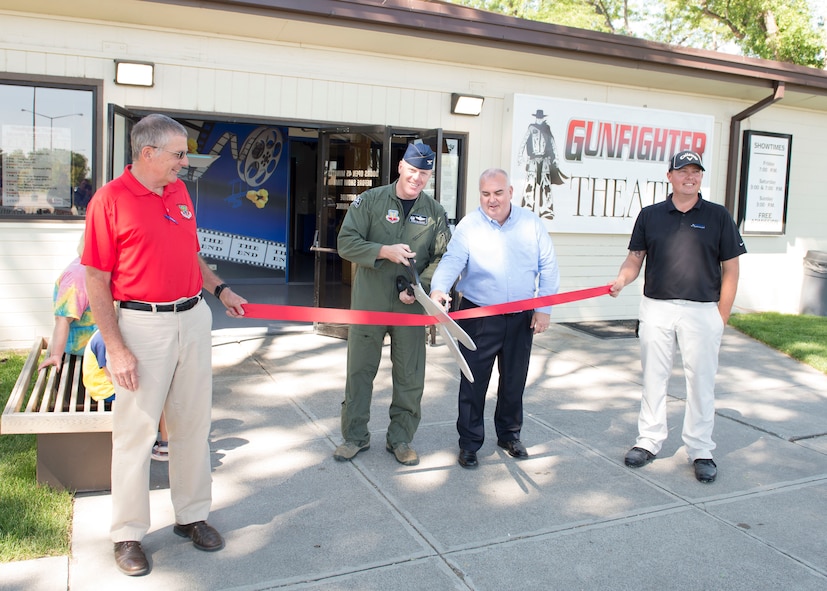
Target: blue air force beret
419,156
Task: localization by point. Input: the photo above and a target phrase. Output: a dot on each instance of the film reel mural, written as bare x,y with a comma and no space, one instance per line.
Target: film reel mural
239,178
260,155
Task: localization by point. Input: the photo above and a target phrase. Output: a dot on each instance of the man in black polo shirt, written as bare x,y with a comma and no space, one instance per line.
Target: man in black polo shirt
691,247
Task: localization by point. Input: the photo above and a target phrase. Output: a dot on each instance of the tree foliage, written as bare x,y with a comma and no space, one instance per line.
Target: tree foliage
594,15
80,168
781,30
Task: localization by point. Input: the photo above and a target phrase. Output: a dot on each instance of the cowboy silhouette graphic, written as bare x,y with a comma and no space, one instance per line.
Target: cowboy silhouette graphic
539,154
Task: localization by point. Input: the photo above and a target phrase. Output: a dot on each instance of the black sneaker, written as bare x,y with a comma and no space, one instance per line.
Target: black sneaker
638,457
705,470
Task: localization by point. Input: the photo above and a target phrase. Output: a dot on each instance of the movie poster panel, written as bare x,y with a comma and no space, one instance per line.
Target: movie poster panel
238,177
589,167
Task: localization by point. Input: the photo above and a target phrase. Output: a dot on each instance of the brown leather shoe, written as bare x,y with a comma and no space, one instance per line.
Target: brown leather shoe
130,558
203,535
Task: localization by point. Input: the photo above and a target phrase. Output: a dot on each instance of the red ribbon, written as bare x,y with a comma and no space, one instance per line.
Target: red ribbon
340,316
531,303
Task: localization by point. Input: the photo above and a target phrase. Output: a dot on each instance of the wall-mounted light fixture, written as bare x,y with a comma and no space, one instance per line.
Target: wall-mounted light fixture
134,73
466,104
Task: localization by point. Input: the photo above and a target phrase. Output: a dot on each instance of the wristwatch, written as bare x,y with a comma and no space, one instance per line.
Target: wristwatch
219,289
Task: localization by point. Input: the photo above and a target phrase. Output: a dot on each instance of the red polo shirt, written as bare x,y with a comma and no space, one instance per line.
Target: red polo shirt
147,241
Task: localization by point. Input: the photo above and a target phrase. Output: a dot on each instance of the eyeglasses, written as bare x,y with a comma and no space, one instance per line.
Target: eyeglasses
179,155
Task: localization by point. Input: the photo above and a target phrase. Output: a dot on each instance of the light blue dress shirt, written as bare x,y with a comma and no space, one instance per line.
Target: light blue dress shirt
498,264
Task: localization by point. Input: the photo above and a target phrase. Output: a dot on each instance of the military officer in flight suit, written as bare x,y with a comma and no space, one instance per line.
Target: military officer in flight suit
385,230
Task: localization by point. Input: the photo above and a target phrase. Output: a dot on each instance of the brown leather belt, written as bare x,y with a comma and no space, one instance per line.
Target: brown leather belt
147,307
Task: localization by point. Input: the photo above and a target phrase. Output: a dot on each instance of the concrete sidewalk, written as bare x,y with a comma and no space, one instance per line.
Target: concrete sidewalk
572,516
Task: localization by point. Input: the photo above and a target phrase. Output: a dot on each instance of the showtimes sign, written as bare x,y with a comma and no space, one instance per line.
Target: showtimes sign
765,172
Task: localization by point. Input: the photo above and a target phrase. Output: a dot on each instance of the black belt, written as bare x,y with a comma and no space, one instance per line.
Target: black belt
146,307
467,304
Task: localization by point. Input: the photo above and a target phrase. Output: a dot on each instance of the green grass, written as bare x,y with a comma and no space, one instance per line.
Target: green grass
801,337
35,521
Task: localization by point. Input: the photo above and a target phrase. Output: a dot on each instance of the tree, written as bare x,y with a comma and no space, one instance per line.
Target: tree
80,168
780,30
594,15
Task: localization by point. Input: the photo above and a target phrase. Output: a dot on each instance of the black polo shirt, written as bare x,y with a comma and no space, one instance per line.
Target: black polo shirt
684,250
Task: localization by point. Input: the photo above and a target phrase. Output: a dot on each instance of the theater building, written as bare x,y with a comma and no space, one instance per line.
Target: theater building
293,108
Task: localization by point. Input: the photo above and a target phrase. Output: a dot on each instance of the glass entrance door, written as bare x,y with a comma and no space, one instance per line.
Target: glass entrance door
120,128
351,161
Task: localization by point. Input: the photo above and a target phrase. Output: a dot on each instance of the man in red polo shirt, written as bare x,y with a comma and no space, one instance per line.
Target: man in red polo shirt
144,278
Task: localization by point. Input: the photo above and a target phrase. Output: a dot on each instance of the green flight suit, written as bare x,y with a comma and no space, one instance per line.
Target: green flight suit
374,219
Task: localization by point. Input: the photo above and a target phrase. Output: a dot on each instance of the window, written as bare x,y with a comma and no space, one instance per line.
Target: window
46,149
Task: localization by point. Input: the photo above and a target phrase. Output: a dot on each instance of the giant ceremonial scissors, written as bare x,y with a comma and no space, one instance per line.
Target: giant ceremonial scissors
451,332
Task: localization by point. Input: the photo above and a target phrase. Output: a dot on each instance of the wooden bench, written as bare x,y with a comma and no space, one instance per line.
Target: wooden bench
74,432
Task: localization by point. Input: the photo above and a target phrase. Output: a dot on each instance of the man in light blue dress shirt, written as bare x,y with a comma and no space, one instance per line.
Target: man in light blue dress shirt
501,253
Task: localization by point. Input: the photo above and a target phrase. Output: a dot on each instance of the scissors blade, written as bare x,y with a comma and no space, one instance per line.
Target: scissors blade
443,320
455,351
446,326
434,309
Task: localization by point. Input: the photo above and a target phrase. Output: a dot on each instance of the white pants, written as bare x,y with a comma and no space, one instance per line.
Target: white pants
174,376
697,328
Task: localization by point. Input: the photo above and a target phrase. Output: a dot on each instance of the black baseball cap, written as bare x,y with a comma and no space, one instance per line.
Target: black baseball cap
685,157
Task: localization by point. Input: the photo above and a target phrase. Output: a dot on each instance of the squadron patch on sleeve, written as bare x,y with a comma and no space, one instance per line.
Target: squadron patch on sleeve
357,202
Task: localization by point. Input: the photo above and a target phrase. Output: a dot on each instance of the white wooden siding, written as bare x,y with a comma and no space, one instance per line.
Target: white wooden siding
211,73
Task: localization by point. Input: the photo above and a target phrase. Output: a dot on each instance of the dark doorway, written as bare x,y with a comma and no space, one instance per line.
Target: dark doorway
303,159
351,161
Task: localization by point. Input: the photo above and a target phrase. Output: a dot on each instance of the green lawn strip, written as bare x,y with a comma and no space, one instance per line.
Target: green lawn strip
35,521
801,337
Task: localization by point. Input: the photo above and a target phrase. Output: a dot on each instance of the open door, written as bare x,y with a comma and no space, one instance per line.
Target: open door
120,128
351,161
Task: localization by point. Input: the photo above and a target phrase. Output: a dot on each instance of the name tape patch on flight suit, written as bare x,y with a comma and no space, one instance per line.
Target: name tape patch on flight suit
422,220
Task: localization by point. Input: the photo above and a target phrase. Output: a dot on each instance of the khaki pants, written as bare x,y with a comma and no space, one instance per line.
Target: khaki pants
174,376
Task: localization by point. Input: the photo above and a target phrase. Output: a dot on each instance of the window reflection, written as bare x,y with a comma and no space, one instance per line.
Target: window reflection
45,150
450,178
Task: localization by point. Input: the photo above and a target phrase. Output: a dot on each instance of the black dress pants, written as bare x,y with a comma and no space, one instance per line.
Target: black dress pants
506,339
